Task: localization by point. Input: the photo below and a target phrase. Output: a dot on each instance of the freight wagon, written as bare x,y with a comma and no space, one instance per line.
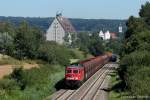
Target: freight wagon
78,73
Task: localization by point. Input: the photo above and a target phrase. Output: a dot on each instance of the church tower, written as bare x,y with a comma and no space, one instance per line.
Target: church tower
120,29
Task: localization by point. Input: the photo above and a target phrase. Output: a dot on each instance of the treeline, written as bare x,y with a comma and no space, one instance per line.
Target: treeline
135,61
81,25
95,25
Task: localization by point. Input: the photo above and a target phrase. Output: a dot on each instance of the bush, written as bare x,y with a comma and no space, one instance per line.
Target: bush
8,85
132,62
136,58
139,41
18,76
38,83
54,53
134,70
139,82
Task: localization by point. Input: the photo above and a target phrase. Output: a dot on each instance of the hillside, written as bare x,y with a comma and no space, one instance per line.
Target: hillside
90,25
8,64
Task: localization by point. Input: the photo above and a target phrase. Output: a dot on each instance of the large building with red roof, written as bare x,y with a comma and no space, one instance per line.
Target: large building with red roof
61,27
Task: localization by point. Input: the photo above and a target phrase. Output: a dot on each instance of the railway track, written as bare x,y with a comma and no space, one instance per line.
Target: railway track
90,90
65,95
61,95
100,93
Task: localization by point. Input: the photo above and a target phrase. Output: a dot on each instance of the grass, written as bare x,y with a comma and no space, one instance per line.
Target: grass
80,54
9,61
73,60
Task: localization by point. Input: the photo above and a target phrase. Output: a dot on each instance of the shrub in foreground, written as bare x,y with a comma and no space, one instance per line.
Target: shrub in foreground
139,82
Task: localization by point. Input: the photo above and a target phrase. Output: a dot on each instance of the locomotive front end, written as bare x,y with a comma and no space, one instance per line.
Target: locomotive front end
74,75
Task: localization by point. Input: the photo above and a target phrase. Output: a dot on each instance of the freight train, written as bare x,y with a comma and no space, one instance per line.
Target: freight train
77,73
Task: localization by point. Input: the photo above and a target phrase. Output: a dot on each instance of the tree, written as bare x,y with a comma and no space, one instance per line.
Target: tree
70,40
54,53
7,27
96,46
145,10
27,41
136,54
6,42
134,25
83,41
114,46
7,33
90,43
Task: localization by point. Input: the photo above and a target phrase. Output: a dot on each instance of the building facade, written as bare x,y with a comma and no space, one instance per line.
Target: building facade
60,28
107,35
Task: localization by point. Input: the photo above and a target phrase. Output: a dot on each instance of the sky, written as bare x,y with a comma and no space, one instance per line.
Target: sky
92,9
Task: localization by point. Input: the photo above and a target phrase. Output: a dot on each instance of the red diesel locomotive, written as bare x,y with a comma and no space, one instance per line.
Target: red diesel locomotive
77,73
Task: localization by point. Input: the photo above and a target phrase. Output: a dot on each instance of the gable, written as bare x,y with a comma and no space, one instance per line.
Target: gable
66,24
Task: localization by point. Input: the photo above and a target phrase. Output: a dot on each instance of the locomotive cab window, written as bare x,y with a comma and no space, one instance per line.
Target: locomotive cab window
68,71
75,71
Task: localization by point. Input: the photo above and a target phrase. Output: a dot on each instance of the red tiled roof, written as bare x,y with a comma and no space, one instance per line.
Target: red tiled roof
66,24
113,35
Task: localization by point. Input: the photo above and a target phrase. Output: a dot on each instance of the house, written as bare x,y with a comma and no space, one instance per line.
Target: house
107,35
101,34
104,36
60,29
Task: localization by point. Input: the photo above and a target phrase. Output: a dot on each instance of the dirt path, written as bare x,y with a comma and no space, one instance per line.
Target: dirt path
7,69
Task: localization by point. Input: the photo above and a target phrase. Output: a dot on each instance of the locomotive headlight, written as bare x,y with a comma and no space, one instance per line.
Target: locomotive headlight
76,78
